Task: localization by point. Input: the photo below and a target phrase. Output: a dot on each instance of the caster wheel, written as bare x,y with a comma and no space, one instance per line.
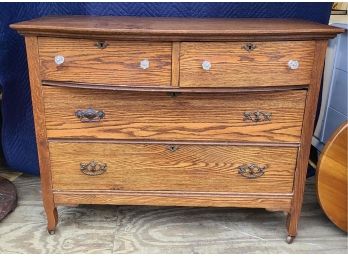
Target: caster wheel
290,239
51,232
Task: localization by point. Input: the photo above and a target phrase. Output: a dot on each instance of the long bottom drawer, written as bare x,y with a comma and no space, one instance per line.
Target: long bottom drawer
160,167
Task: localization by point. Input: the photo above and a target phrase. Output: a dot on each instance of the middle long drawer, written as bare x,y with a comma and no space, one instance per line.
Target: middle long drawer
242,117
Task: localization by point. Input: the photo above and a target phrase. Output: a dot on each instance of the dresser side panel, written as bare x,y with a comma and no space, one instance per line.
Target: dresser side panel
40,130
306,137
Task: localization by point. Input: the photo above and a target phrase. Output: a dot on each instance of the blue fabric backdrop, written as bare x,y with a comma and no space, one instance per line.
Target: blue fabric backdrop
18,139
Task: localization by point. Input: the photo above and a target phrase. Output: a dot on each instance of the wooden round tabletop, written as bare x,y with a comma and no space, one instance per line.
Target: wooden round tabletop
332,178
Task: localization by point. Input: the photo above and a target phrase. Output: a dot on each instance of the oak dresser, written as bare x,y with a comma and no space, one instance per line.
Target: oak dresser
174,112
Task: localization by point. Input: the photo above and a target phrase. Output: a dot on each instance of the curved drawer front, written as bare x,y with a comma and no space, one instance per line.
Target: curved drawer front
245,117
246,64
108,62
196,168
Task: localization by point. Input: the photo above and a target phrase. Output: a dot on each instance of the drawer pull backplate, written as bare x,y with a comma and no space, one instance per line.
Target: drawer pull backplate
258,116
93,168
89,115
251,170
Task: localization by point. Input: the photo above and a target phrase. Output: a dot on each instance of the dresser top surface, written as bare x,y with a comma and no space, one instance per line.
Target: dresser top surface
175,27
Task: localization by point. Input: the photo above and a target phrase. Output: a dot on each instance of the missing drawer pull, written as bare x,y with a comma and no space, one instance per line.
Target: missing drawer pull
89,115
172,148
101,44
251,170
257,116
249,47
93,168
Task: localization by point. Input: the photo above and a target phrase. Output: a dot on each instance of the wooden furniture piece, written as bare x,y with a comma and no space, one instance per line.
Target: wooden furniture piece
332,171
167,111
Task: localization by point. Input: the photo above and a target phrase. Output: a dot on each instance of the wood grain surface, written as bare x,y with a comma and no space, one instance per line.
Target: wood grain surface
175,64
233,66
188,116
151,28
192,168
283,203
332,171
118,63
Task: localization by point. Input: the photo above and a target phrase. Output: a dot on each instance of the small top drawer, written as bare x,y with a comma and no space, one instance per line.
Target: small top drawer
244,64
105,62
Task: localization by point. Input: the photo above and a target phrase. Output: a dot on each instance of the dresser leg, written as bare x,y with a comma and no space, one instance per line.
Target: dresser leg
291,223
52,219
290,239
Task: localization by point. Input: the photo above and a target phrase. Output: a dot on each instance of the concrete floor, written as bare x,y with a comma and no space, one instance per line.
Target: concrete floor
148,229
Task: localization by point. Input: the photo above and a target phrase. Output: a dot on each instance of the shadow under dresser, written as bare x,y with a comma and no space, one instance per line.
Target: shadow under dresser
174,112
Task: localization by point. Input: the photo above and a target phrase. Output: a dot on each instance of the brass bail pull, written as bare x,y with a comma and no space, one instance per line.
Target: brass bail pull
89,115
93,168
251,170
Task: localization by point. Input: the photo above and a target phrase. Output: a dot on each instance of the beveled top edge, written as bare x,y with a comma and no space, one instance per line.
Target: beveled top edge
176,27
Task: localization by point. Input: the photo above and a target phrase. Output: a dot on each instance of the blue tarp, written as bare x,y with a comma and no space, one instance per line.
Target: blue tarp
18,138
